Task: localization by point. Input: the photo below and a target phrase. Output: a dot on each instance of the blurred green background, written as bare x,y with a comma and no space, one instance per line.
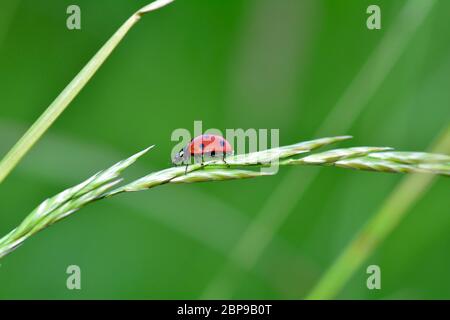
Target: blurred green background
308,68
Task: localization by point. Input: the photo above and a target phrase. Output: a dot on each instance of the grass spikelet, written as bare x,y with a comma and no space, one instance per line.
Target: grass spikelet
275,154
336,154
218,175
412,157
63,204
372,164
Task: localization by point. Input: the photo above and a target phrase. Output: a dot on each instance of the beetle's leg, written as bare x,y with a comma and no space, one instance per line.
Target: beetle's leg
223,159
185,162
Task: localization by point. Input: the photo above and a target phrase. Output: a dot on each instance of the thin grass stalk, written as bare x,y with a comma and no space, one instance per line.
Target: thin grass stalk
35,132
103,184
384,221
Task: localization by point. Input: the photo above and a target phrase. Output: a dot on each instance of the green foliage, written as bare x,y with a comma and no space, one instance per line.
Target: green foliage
314,70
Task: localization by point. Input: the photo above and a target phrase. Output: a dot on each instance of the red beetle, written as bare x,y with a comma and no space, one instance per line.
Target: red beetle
207,146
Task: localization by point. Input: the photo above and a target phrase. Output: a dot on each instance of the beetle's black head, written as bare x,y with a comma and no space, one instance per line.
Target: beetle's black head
180,157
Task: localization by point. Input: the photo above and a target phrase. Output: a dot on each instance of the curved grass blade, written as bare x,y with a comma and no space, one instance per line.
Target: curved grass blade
61,102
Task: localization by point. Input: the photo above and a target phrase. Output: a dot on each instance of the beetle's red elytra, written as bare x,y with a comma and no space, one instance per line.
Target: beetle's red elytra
205,146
